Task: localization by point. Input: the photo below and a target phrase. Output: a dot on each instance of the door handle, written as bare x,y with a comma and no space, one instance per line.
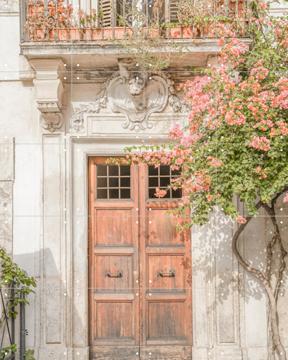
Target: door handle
170,274
117,275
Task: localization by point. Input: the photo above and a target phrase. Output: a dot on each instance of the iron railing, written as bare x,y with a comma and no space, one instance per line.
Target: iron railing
9,323
96,20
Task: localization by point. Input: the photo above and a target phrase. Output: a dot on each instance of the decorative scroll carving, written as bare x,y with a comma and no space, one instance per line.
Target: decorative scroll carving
9,6
77,122
52,118
137,96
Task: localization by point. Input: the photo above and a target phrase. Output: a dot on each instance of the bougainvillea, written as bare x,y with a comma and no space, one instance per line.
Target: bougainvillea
235,140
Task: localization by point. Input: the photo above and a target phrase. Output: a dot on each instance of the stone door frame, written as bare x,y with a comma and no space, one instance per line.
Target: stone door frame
77,228
206,320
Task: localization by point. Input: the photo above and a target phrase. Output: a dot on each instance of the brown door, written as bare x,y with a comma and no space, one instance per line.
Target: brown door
139,266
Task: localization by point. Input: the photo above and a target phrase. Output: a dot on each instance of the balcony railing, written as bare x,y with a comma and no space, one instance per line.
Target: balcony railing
99,20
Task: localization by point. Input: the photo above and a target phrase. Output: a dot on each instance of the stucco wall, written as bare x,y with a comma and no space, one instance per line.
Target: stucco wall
229,310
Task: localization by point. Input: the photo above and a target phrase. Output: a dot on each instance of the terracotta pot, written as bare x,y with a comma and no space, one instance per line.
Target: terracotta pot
87,34
74,34
40,34
52,35
121,33
176,33
153,33
63,34
39,9
97,34
31,9
182,32
187,32
108,34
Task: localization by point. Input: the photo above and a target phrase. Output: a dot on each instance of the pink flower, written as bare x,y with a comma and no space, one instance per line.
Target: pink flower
234,118
188,140
214,162
160,193
176,132
221,41
260,73
241,220
263,5
261,172
209,197
281,100
201,182
285,200
260,143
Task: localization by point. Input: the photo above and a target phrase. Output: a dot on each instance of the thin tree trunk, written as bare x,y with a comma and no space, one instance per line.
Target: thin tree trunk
280,350
264,279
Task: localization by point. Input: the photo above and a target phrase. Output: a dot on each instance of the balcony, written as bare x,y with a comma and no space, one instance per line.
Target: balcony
104,27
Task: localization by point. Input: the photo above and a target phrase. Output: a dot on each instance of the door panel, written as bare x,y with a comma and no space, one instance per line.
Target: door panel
114,272
116,314
113,261
140,266
116,229
163,275
163,231
164,253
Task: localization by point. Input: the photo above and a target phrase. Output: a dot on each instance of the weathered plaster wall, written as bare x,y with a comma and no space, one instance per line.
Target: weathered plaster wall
39,173
21,143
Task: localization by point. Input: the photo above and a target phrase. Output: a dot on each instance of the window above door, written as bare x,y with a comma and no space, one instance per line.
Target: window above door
162,177
113,182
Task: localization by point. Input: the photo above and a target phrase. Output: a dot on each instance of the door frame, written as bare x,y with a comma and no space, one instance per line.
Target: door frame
80,150
141,201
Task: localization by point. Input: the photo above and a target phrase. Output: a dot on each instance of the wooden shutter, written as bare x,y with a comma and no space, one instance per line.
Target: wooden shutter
173,9
106,13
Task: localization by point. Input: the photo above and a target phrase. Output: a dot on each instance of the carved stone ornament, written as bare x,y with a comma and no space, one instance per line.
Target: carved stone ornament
9,6
49,91
137,97
51,115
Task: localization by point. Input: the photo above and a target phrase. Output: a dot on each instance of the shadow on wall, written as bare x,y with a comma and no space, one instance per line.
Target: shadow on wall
227,281
47,318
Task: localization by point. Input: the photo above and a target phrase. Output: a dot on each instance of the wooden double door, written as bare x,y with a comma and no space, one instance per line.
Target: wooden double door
139,266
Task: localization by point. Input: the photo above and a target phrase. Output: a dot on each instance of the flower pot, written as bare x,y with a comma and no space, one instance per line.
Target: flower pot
121,33
183,32
97,34
187,32
176,33
87,34
63,35
31,11
74,34
52,35
153,33
108,34
40,34
39,9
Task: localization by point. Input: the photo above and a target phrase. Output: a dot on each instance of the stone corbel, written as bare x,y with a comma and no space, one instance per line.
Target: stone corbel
49,92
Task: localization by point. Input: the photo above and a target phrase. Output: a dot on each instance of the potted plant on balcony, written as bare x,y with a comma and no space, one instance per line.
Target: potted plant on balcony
201,18
95,25
63,16
51,25
35,7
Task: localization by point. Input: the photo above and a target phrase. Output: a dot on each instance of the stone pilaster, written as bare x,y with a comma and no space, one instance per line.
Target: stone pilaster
49,92
6,192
